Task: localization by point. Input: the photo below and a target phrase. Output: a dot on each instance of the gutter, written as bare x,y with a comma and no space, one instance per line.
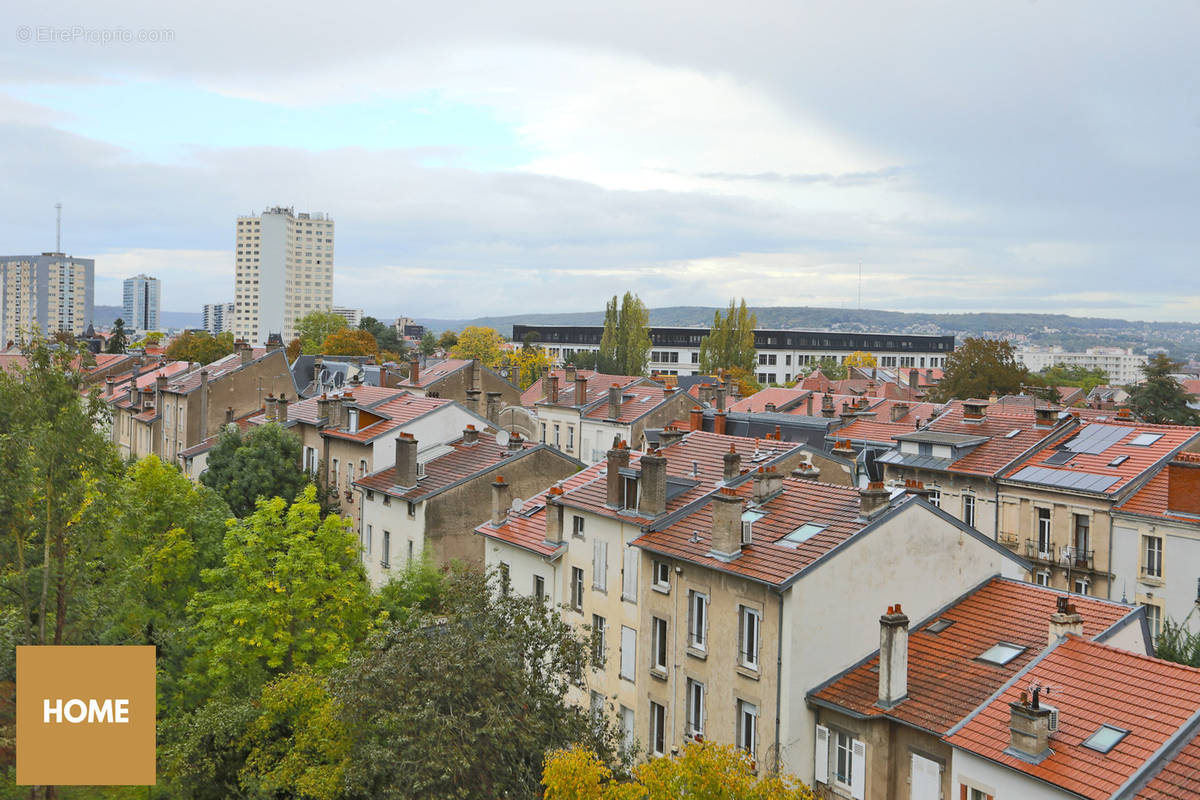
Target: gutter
778,685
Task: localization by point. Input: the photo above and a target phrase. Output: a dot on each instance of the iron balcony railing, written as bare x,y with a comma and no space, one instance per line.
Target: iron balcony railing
1076,557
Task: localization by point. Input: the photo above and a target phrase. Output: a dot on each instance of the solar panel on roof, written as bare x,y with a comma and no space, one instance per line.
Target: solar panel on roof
1067,479
1145,439
1096,438
1060,457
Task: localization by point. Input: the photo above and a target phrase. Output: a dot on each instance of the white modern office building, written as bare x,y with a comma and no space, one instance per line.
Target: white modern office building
140,308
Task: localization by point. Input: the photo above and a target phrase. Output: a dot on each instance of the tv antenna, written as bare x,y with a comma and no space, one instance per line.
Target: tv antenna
58,228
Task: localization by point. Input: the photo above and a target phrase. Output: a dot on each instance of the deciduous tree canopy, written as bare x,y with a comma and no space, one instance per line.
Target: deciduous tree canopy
484,344
1160,398
980,367
263,463
730,341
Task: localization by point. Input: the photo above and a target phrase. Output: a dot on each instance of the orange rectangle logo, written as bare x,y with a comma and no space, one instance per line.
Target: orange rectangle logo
86,716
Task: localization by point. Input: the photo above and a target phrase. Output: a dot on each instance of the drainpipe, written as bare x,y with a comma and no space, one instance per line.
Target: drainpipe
779,684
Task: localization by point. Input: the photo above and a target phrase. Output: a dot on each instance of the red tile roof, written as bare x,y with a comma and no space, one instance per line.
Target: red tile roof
1151,500
946,681
784,399
993,455
536,392
1092,685
598,384
244,424
637,401
120,391
1180,777
435,371
880,427
396,412
527,528
1138,459
462,462
222,366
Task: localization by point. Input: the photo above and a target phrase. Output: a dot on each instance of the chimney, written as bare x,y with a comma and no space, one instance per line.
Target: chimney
1064,620
726,525
898,411
733,464
271,408
501,501
893,657
806,471
1029,729
731,387
569,373
493,408
618,458
974,410
553,390
323,407
653,484
916,488
697,418
160,383
769,408
414,370
246,352
720,396
580,389
827,409
808,404
914,379
614,401
229,415
554,516
1183,483
873,500
843,448
719,422
203,403
337,414
515,442
1045,417
706,393
473,400
670,435
406,461
470,435
767,483
281,409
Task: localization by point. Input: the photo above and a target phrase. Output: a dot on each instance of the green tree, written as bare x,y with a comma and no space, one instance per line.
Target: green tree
290,592
730,341
1073,375
1160,398
348,342
980,367
465,702
315,327
1176,642
447,341
419,587
265,462
385,335
204,751
428,345
608,358
200,346
484,344
119,339
633,349
831,368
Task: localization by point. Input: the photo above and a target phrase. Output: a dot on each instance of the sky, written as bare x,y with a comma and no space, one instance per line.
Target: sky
485,158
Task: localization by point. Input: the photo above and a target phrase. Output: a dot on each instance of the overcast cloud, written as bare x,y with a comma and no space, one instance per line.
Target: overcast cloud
535,156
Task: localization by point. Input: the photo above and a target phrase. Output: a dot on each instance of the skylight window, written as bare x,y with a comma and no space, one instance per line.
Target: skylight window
1105,738
1145,439
803,533
1118,461
1012,433
1001,653
940,625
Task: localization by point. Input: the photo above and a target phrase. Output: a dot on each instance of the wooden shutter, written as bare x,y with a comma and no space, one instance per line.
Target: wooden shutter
925,779
821,755
628,652
629,576
600,564
858,759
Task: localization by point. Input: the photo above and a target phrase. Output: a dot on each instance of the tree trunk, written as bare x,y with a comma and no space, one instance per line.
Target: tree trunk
45,568
60,588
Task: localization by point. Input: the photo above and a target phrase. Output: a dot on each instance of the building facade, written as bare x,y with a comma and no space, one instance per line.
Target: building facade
218,317
353,316
141,301
284,270
782,354
52,291
1122,365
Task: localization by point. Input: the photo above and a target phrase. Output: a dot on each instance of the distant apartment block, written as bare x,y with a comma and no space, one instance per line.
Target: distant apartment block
782,354
53,291
284,270
353,316
218,317
140,309
1122,365
408,330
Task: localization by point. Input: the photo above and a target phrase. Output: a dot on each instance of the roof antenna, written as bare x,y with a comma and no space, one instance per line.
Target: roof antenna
58,228
695,536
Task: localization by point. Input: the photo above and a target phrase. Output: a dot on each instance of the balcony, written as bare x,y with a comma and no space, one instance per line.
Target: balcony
1076,558
1034,553
1010,540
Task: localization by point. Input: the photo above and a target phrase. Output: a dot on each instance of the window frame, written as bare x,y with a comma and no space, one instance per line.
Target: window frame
577,589
748,651
659,650
698,620
658,730
695,707
747,727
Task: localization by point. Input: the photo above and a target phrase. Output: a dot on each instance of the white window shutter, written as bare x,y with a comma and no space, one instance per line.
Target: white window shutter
858,777
602,565
821,755
629,579
926,779
628,652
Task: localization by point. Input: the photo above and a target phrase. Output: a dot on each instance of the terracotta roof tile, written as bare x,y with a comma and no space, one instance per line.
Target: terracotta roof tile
463,461
396,412
222,366
881,428
1093,685
946,681
435,371
1180,777
1151,500
1000,449
636,402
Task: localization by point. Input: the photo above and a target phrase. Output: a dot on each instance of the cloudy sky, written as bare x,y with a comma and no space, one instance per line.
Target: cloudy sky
486,157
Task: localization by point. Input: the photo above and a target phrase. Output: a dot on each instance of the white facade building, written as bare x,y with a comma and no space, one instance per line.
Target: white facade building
53,291
141,303
353,316
218,317
284,270
1122,365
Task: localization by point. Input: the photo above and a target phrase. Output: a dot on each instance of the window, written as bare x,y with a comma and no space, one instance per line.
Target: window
367,540
628,735
748,520
974,794
935,498
1042,577
1043,530
697,620
747,726
543,433
628,653
386,555
410,556
631,493
658,729
1083,525
1152,556
1001,653
662,575
1105,738
843,769
596,708
658,644
1082,585
577,526
629,575
539,587
570,437
412,509
695,707
599,565
577,588
749,624
969,509
599,639
557,436
362,467
1153,618
336,468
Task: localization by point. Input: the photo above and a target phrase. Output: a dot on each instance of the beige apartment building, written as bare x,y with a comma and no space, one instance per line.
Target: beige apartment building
283,270
52,291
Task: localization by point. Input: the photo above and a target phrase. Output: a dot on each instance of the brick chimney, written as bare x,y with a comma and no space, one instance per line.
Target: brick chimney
974,410
515,442
337,413
898,411
653,484
670,435
732,464
414,370
323,407
493,408
271,408
719,422
160,383
553,398
726,525
807,471
893,657
501,501
580,389
569,373
1065,620
245,351
406,461
470,435
827,408
554,516
1183,483
618,458
614,401
873,500
719,394
1045,417
706,393
281,409
696,418
1029,729
767,483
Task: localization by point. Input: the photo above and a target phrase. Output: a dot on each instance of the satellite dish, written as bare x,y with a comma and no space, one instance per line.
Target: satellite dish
517,503
502,438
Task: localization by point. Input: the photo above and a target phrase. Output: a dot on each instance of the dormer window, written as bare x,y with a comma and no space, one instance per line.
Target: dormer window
631,493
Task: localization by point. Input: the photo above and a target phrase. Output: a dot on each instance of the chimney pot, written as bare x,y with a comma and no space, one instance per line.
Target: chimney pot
732,464
618,458
1183,483
726,525
580,389
696,418
414,371
554,516
470,435
1029,731
719,422
554,390
873,500
893,657
614,401
501,501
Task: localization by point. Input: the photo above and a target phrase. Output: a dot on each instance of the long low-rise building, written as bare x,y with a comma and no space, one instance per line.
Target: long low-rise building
782,354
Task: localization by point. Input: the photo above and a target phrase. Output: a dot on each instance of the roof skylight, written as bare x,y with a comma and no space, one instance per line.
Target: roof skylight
939,625
1012,433
803,533
1118,461
1145,439
1105,738
1001,653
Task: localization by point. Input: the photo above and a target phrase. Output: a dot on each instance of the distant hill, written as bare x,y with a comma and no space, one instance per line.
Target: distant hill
1180,339
106,315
